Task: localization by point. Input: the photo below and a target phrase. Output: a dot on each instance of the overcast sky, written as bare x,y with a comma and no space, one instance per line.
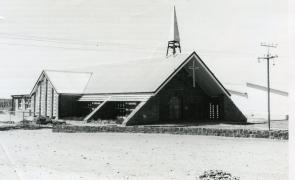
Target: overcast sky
54,34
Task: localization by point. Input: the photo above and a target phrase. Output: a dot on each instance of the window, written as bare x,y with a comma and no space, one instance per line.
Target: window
27,103
124,108
19,103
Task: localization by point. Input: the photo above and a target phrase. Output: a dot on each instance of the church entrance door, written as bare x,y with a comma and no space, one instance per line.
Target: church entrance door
175,109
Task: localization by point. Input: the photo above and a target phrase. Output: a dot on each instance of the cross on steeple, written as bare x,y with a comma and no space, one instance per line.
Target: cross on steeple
194,68
174,39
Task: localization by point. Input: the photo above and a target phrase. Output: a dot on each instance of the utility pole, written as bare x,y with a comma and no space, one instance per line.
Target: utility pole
268,57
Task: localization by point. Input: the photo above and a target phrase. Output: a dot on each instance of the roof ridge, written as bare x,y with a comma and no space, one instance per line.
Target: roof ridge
138,60
66,71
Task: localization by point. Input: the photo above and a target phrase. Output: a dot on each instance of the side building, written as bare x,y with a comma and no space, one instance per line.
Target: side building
5,104
56,89
21,102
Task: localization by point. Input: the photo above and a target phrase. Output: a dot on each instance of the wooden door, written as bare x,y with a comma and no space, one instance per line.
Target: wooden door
175,109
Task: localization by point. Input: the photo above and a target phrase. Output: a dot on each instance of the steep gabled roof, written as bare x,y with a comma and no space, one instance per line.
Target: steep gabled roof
66,82
139,76
206,78
145,76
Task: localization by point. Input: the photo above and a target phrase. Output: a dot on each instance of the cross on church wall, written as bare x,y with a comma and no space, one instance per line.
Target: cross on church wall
194,68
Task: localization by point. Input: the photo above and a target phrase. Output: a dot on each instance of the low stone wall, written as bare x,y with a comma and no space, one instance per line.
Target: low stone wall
24,126
245,133
9,127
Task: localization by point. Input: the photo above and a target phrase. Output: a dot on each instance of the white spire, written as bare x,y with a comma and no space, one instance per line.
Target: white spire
174,34
174,39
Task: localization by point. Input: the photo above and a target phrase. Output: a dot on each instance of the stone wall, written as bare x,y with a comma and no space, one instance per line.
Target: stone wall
244,133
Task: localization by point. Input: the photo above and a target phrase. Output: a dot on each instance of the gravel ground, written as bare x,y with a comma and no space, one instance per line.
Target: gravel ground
43,155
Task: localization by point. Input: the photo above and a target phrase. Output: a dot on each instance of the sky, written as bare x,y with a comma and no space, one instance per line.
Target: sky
65,35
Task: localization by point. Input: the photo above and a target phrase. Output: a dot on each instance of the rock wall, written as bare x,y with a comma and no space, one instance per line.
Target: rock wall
244,133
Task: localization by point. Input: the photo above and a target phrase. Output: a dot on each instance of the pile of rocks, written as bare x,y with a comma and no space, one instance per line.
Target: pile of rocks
217,175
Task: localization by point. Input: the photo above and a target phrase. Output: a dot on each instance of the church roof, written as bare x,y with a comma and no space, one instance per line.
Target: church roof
147,76
133,77
139,76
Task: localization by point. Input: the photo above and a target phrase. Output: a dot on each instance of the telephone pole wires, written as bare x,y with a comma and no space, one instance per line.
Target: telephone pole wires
268,57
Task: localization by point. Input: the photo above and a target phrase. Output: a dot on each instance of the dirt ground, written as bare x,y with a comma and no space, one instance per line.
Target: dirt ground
43,155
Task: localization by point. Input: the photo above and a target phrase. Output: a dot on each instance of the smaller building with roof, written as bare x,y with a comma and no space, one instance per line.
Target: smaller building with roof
21,102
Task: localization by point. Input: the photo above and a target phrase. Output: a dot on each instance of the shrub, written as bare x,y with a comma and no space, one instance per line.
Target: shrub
120,120
43,120
217,175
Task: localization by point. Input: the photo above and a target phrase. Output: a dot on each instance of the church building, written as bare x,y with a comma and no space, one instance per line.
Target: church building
176,88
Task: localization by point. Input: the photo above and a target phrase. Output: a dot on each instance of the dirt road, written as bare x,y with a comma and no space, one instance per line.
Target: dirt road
43,155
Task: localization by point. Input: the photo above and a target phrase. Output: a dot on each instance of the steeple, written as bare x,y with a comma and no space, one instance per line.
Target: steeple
174,39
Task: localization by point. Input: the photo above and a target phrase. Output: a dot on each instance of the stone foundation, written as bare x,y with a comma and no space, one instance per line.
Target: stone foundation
244,133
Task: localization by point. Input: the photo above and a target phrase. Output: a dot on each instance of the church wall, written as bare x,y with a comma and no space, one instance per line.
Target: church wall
193,100
195,106
68,106
193,103
232,113
148,114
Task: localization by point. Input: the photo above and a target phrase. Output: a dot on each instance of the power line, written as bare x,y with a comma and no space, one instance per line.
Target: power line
73,48
268,57
48,46
46,39
126,47
104,45
43,40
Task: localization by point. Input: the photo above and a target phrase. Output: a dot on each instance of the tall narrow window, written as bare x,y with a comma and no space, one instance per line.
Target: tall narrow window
19,103
27,103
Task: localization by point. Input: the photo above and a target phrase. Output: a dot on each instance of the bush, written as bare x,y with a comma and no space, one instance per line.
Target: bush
217,175
58,122
120,120
43,120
